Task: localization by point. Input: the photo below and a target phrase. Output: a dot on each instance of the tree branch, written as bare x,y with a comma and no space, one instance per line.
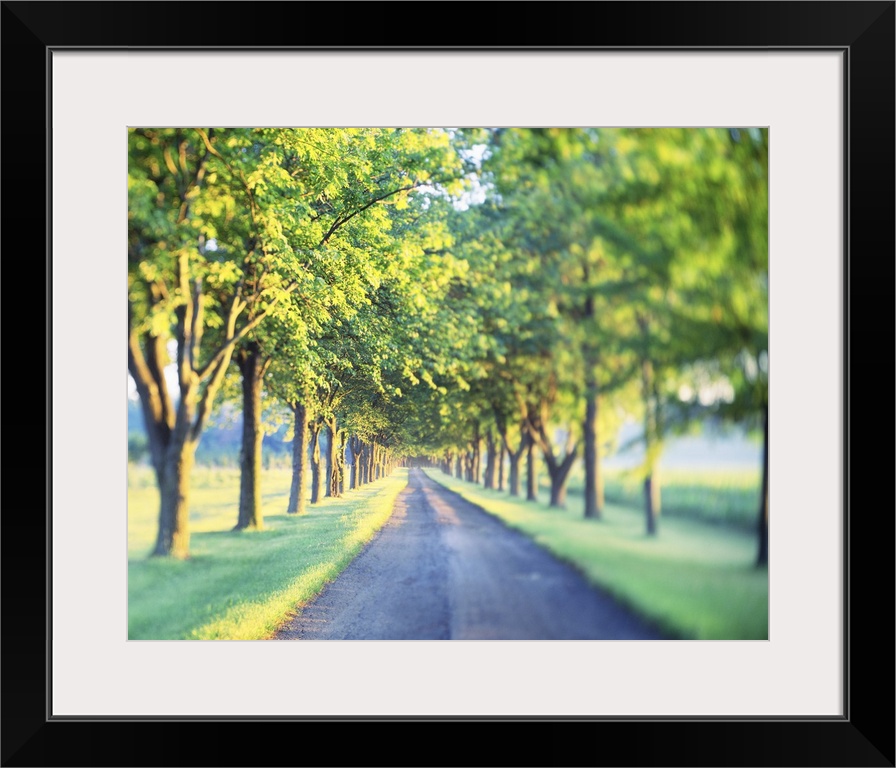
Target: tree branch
185,326
237,174
236,308
339,222
153,401
196,331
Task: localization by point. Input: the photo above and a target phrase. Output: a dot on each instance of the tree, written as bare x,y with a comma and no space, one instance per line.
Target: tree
735,203
711,215
546,187
184,292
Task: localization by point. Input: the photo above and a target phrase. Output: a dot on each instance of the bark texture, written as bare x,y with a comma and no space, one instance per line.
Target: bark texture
251,365
298,489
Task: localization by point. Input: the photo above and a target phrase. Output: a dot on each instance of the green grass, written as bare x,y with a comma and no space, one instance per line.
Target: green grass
242,585
693,580
722,496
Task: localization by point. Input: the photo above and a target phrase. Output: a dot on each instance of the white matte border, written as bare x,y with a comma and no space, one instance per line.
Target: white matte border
797,672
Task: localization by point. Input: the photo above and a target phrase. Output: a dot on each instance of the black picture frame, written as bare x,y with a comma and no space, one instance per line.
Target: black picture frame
864,736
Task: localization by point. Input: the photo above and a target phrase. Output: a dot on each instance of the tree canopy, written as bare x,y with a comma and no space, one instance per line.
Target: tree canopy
418,292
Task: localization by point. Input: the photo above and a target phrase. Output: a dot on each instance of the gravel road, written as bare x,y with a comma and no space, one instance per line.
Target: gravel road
442,569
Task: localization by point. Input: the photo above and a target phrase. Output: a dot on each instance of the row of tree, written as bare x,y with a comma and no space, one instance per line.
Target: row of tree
425,292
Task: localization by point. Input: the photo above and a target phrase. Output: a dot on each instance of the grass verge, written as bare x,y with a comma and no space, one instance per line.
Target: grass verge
242,585
695,581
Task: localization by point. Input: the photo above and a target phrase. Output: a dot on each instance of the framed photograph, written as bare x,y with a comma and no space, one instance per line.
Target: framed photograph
818,75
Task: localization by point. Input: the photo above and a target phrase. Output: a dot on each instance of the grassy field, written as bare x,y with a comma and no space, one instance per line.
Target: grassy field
242,585
727,496
696,581
724,496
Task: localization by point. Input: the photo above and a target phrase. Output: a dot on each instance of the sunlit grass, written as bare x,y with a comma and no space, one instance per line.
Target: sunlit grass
242,585
694,580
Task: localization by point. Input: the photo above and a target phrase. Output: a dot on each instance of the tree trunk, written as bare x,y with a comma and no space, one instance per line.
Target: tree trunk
330,455
531,472
558,469
652,498
251,367
174,486
500,459
315,461
490,455
593,498
559,474
298,490
651,501
476,462
514,479
354,446
593,501
652,447
371,470
339,474
459,467
364,464
762,555
174,433
514,458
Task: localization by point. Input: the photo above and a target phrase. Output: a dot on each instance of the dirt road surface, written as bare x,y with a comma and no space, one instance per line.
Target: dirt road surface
442,569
